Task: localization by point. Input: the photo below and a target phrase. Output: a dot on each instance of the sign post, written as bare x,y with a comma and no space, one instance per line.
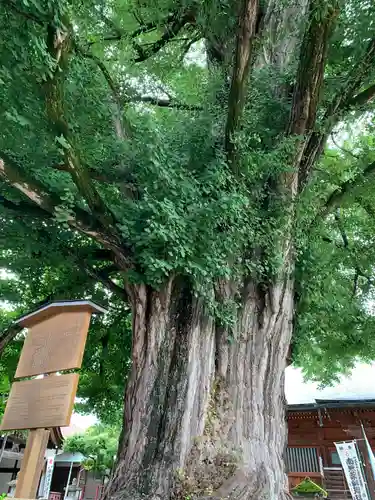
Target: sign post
55,342
28,478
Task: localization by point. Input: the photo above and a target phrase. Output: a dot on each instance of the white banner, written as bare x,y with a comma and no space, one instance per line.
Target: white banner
353,470
48,476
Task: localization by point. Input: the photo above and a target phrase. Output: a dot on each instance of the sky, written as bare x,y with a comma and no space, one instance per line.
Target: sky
360,385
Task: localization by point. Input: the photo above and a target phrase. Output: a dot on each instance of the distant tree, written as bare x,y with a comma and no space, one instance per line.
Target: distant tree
180,156
99,446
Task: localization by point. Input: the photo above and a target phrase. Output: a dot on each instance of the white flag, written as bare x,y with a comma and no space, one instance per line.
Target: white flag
48,476
352,468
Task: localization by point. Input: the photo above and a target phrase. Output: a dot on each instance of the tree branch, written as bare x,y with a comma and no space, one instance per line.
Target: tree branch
166,103
123,128
363,97
336,197
99,254
355,80
102,276
27,15
310,74
12,173
311,69
344,150
247,23
345,239
59,44
77,218
119,34
106,177
171,30
341,229
346,98
24,209
7,336
346,246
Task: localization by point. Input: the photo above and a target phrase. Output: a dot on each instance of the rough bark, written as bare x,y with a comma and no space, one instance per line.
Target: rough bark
245,38
204,417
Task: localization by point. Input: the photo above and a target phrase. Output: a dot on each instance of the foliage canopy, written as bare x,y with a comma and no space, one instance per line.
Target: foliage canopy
99,446
112,152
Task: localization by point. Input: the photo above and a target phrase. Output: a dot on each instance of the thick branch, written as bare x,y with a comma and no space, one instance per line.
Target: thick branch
247,24
59,45
123,129
103,277
363,97
99,254
8,335
348,97
166,103
355,80
118,34
122,177
336,197
34,191
345,239
171,30
23,209
94,174
77,218
27,15
310,74
311,69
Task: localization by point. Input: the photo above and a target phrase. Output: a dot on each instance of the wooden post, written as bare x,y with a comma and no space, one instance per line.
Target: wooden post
361,443
32,464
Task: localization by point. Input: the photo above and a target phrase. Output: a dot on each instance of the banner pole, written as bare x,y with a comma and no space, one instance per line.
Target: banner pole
367,465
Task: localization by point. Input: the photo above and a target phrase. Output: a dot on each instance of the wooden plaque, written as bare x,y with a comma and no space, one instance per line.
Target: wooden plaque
41,403
55,344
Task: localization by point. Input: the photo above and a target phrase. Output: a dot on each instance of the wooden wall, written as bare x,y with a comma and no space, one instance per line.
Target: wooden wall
310,429
322,429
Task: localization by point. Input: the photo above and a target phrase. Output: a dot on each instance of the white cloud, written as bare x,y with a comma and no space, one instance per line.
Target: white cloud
360,385
83,421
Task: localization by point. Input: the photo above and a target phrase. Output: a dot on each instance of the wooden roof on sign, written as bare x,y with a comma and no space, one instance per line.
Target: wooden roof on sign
52,308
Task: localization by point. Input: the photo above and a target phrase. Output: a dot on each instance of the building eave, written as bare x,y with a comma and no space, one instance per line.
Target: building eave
332,404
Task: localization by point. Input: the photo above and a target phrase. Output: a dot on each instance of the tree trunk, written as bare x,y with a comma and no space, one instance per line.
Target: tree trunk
204,416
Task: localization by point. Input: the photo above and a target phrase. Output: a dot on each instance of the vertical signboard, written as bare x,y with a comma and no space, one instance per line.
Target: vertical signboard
48,477
55,342
352,467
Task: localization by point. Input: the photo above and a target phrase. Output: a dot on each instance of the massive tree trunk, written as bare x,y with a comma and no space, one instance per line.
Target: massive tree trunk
205,413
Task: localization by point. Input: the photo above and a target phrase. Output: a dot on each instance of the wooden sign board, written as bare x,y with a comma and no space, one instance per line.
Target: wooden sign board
41,403
55,344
